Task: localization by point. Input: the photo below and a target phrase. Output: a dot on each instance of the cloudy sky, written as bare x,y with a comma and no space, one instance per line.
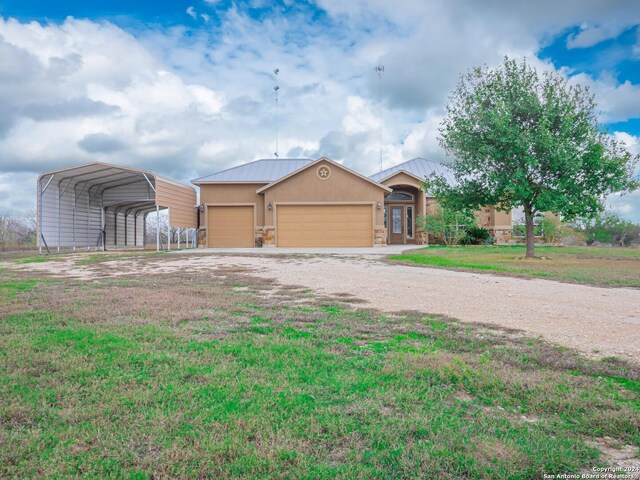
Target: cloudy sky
185,87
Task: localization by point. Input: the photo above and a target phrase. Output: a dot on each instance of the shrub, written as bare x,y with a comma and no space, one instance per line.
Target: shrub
446,225
609,229
477,236
554,231
550,227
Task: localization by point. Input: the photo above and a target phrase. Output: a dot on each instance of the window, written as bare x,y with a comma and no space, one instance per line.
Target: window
409,222
396,220
399,197
386,214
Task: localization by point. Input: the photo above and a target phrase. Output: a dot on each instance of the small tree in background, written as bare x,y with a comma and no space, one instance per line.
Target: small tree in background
524,140
447,225
609,229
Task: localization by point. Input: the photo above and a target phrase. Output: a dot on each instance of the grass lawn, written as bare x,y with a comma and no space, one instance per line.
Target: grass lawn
203,375
592,265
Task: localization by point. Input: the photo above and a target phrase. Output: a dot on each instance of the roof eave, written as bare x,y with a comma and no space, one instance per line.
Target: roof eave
230,182
295,172
402,171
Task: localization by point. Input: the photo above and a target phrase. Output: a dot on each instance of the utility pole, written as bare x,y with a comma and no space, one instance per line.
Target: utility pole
379,69
275,89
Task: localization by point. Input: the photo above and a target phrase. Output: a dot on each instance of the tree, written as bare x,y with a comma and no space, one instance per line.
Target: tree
16,232
447,225
524,140
612,230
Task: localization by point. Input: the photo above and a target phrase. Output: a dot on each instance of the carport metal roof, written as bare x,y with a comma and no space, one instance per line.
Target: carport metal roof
73,203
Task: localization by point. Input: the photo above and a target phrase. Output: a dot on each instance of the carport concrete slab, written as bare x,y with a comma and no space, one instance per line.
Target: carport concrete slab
388,250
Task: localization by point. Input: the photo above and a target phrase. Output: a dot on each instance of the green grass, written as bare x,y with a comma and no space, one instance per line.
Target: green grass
591,265
108,257
9,288
106,389
40,259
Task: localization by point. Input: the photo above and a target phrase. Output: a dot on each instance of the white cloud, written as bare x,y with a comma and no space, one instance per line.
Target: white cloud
616,101
189,102
591,35
628,205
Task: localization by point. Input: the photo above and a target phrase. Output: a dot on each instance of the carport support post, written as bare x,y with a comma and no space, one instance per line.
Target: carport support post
168,231
103,236
75,196
179,232
59,201
157,228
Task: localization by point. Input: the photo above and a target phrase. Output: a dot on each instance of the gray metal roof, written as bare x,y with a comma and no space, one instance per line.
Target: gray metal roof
265,170
419,167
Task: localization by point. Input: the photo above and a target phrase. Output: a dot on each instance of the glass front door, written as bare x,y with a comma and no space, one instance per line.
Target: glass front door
396,224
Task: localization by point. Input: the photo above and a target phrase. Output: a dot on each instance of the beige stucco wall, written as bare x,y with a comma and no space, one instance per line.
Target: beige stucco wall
493,219
342,186
233,193
401,179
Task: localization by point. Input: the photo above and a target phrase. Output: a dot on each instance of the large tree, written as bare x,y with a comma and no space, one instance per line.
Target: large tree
520,139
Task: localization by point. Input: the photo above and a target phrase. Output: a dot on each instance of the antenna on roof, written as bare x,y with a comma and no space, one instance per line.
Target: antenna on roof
275,89
379,69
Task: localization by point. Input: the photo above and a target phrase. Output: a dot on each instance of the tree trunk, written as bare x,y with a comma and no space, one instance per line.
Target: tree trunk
528,220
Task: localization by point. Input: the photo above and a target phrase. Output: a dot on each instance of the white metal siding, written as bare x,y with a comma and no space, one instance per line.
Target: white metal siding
57,216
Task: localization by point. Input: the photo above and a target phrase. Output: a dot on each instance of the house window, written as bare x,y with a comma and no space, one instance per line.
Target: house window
386,214
399,197
409,222
396,220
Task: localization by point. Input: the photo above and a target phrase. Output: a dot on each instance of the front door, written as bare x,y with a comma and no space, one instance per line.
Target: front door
396,224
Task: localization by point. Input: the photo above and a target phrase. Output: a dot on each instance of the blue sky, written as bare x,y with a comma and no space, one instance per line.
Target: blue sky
614,56
185,87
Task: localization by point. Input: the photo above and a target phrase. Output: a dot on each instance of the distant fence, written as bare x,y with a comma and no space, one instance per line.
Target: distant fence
9,247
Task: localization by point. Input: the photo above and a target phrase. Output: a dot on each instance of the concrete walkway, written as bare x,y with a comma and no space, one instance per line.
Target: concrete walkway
386,250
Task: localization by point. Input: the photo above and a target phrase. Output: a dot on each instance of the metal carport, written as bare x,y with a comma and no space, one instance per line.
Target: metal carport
101,206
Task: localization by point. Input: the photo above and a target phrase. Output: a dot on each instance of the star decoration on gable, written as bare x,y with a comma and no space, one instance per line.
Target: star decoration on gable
323,172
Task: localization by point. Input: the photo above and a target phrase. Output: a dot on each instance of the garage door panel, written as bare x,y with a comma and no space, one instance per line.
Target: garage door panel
231,226
325,225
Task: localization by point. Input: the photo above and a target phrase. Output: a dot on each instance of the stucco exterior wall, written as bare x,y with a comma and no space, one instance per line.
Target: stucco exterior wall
233,193
493,219
402,178
341,186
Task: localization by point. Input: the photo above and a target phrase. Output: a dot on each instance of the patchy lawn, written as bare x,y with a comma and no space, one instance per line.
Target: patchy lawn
591,265
196,375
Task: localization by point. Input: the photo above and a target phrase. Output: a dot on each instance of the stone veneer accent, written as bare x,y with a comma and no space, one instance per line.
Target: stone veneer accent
379,236
202,237
422,238
501,236
268,236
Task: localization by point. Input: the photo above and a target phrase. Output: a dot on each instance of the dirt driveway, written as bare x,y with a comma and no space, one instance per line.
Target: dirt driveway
598,321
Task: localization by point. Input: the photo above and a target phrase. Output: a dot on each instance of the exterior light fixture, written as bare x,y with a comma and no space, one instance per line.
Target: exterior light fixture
269,207
200,207
378,205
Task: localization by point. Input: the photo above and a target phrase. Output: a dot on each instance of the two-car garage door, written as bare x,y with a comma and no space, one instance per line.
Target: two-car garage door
324,225
296,226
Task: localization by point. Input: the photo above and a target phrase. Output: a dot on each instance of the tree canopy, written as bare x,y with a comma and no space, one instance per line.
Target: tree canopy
520,139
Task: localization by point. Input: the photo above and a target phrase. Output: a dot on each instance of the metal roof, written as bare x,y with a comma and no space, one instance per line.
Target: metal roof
265,170
105,174
73,202
418,167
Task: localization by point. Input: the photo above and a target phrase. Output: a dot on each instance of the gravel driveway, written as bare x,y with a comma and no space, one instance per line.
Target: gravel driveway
598,321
